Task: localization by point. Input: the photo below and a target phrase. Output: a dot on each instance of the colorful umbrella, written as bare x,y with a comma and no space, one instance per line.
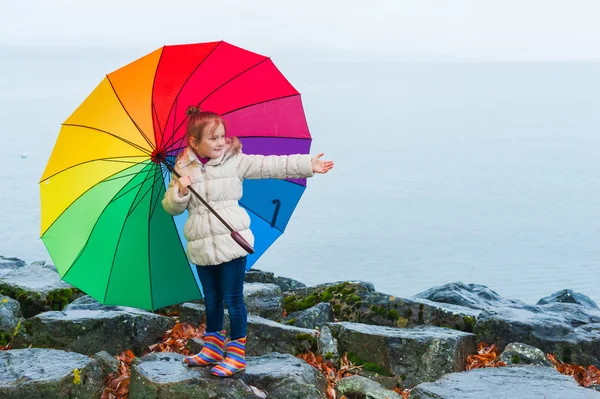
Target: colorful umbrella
102,219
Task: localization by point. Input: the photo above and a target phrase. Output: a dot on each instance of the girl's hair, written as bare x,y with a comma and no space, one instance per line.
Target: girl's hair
199,120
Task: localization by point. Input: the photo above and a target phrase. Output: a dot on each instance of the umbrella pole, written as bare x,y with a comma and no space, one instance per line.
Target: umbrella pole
234,234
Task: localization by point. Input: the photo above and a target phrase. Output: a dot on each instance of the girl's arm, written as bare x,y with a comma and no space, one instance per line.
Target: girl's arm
274,166
174,203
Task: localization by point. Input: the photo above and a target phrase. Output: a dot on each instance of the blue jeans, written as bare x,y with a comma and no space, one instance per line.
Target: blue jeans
224,284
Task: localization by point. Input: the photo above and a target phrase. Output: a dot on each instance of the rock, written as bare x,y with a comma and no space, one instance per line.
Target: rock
265,300
358,301
90,331
8,265
49,374
413,355
165,376
521,354
569,296
474,296
288,284
314,317
10,314
108,362
504,382
37,288
569,331
284,376
327,345
259,276
195,345
195,313
267,336
86,302
361,387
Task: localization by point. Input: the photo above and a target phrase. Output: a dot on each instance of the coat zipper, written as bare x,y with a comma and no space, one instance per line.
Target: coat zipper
212,235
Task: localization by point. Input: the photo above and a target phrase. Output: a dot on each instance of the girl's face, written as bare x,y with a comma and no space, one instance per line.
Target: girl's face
212,143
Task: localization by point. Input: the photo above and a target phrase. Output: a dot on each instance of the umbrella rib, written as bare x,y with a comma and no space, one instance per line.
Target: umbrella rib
137,147
95,160
162,175
115,254
91,231
250,210
215,90
130,190
124,109
232,79
186,81
151,208
145,193
258,103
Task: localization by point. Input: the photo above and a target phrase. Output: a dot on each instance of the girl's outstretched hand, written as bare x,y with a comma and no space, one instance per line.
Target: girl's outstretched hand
319,166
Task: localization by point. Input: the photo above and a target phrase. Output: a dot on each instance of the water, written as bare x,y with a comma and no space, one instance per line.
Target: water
486,173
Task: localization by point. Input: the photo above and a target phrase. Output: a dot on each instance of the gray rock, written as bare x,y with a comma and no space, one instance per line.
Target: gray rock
361,387
8,265
108,362
267,336
165,376
194,313
358,301
474,296
413,355
569,331
314,317
327,345
569,296
521,354
49,374
526,382
90,331
288,284
37,288
10,314
86,302
265,300
259,276
284,376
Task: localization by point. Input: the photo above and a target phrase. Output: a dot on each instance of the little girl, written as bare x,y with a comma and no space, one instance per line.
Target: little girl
215,168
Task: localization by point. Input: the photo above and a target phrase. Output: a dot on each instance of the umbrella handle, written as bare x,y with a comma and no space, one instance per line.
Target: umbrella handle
242,243
234,234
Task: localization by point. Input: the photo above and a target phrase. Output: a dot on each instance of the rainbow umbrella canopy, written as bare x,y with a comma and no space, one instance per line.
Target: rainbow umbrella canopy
102,220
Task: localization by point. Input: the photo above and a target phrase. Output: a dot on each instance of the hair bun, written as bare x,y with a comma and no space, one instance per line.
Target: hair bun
192,110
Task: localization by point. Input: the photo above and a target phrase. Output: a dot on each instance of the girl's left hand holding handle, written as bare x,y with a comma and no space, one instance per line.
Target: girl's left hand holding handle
183,182
319,166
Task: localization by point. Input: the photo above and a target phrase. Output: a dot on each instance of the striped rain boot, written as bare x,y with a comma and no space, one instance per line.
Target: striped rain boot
234,361
212,352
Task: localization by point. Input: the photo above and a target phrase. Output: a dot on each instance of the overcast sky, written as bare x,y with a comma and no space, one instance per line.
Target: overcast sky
530,30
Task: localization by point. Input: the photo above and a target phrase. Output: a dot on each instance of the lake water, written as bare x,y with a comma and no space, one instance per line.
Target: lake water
477,172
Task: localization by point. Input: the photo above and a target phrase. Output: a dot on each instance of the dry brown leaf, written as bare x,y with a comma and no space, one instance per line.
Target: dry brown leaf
585,377
487,356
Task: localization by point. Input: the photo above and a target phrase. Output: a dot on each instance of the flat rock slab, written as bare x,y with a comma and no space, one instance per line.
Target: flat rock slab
90,331
505,382
414,355
37,287
284,376
48,373
165,376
